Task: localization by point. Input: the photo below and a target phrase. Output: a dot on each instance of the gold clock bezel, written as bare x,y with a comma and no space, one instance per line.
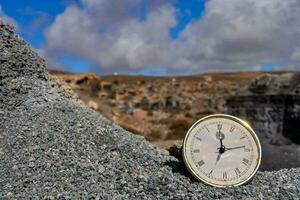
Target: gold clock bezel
239,121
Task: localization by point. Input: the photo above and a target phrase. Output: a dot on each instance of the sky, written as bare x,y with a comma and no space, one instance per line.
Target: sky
158,37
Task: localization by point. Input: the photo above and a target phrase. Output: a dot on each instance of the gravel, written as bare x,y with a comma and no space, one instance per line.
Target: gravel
53,147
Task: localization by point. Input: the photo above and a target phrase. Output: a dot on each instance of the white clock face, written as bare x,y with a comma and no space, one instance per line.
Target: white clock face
222,151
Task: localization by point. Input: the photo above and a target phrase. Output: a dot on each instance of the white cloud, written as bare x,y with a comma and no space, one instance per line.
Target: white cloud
236,34
110,36
139,44
231,35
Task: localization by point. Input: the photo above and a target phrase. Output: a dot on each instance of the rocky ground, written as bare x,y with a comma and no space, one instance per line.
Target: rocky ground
53,147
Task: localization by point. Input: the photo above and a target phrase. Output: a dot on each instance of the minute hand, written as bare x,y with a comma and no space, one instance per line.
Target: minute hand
235,148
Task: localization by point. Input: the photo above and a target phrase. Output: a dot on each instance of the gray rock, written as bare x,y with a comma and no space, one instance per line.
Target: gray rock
55,148
272,106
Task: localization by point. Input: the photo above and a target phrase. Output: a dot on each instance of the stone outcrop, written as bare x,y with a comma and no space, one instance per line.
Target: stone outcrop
271,103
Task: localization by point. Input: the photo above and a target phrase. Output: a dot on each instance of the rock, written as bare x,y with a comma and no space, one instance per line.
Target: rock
69,161
261,84
271,106
273,109
93,105
176,150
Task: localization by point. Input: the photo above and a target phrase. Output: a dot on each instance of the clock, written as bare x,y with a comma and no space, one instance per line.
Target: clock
222,151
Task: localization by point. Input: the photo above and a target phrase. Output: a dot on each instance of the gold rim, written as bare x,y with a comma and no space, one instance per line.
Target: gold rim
240,121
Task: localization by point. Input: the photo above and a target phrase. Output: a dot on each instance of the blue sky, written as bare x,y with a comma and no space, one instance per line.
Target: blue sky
26,12
157,37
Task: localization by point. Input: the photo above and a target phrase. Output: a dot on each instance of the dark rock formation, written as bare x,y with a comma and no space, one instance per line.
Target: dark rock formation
272,106
52,147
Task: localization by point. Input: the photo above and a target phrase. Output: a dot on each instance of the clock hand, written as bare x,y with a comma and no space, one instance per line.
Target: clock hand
218,158
235,148
220,136
232,148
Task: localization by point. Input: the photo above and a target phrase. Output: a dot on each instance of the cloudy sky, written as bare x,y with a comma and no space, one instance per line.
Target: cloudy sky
159,37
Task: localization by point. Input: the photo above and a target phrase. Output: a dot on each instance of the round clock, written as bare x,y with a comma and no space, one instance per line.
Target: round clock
222,151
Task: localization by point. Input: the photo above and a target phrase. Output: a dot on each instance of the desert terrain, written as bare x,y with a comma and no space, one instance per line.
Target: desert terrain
159,108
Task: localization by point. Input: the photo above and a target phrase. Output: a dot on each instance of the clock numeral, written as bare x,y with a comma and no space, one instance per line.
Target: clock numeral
237,171
245,161
232,129
206,128
247,150
243,137
200,163
220,126
210,173
198,138
224,175
196,151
